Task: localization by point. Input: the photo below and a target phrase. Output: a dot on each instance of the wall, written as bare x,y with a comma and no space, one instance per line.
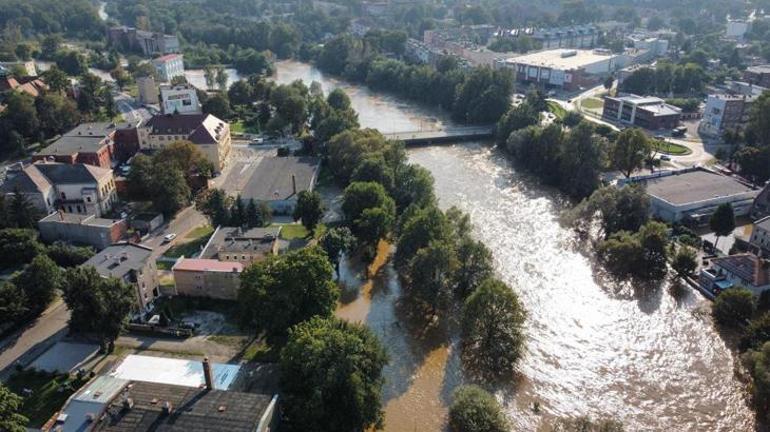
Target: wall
212,284
98,236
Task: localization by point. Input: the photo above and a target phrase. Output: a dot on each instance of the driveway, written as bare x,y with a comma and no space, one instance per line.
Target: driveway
185,221
28,343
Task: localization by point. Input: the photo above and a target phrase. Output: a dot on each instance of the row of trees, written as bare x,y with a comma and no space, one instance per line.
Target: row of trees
688,79
223,210
738,309
481,95
30,290
752,153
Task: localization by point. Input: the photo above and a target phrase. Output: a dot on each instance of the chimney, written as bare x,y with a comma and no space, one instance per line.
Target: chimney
294,184
207,375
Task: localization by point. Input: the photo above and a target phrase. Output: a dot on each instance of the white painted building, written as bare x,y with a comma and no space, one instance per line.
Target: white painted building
179,99
169,66
737,28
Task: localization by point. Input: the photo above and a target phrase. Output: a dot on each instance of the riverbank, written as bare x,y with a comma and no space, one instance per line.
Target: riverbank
642,354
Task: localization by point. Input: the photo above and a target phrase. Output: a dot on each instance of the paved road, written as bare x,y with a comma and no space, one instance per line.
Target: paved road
130,108
185,221
31,341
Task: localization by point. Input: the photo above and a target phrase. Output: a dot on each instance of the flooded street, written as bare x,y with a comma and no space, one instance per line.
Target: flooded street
648,356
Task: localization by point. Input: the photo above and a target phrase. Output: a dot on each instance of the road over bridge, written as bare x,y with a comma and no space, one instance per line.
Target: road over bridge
443,136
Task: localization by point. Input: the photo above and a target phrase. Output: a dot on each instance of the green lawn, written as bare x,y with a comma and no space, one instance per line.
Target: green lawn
557,109
197,238
671,148
164,265
593,103
293,231
46,398
239,127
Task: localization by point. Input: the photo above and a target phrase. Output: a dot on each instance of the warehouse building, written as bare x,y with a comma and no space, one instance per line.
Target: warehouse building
569,69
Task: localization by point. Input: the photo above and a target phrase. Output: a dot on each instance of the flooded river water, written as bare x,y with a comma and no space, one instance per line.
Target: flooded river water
648,356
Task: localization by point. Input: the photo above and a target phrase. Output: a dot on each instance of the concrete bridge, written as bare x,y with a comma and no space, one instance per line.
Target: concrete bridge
443,136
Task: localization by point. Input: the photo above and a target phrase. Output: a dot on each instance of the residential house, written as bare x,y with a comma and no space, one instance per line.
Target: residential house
133,264
244,246
102,144
207,278
179,99
82,229
760,237
169,66
746,270
277,181
50,186
692,195
646,112
210,134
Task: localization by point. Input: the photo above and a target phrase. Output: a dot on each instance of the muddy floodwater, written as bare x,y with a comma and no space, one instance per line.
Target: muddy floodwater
647,355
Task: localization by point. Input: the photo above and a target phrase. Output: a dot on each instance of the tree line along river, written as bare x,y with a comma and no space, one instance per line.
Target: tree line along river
647,355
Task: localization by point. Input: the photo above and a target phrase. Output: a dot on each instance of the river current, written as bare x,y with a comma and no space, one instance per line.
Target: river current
646,355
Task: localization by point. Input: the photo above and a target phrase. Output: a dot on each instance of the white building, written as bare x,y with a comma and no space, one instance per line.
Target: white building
169,66
737,28
567,68
179,99
692,195
760,236
210,134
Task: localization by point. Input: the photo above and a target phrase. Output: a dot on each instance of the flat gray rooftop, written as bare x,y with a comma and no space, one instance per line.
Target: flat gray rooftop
694,186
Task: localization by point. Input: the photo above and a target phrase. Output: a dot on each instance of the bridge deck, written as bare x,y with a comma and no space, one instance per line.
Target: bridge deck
441,135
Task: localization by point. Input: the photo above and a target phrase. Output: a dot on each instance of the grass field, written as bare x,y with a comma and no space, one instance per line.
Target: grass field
48,394
671,148
196,239
239,127
294,231
557,109
593,103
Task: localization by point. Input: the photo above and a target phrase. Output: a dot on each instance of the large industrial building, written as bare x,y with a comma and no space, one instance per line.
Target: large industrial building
564,68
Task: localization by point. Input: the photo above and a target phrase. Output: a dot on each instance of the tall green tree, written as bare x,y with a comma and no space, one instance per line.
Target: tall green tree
21,212
685,262
430,274
733,307
56,79
758,363
475,410
285,290
13,304
11,419
330,367
629,151
492,331
39,281
474,266
309,209
18,246
172,192
335,242
722,222
99,306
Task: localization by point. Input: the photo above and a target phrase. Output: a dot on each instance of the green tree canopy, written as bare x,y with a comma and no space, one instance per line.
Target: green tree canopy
629,151
309,209
18,246
492,331
11,419
722,222
733,307
330,367
39,281
475,410
282,291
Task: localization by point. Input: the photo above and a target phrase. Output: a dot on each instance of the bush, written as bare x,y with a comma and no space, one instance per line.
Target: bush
475,410
733,307
757,333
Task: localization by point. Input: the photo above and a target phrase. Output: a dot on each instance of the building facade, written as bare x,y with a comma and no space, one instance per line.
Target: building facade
179,99
745,270
758,75
760,236
761,206
50,186
209,278
133,264
242,246
210,134
148,90
646,112
169,66
149,43
84,230
569,69
102,144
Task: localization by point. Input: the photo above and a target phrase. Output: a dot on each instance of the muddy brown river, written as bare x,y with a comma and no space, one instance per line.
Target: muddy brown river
647,355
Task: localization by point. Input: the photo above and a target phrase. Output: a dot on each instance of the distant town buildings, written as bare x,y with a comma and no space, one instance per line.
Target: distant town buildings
28,67
30,85
563,68
692,195
148,90
133,264
737,28
82,229
169,66
242,246
100,144
209,278
646,112
277,181
210,134
72,188
148,43
179,99
758,75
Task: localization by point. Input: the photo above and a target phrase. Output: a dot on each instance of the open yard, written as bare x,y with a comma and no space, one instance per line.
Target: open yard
43,393
593,103
239,127
192,243
557,109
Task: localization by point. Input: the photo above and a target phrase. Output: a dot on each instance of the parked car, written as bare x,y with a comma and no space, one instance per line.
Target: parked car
665,157
679,132
168,237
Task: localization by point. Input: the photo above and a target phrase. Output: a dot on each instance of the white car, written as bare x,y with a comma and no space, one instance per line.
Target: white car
168,237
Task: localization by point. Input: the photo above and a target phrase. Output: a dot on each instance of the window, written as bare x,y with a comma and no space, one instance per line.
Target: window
78,209
63,196
88,199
